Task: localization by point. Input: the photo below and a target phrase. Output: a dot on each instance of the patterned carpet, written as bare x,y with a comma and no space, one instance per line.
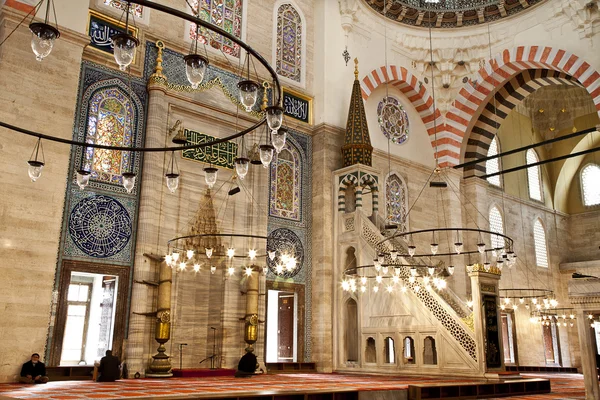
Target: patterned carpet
565,386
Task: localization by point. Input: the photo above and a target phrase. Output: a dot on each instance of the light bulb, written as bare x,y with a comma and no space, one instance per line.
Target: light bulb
521,300
128,181
451,270
345,286
213,269
404,289
83,178
538,306
411,250
384,270
564,324
572,316
248,93
545,301
363,280
175,256
412,279
470,303
248,271
35,170
279,268
502,307
195,68
42,39
124,49
397,271
189,254
278,139
266,154
196,267
426,279
442,284
413,271
506,300
376,289
515,306
274,116
378,278
168,259
241,167
553,302
434,248
182,266
252,254
363,289
172,182
395,279
208,251
394,254
230,252
590,316
481,247
390,289
458,246
534,300
272,254
430,270
210,176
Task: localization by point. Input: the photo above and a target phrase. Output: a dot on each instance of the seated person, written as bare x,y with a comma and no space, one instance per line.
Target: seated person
33,371
247,365
109,368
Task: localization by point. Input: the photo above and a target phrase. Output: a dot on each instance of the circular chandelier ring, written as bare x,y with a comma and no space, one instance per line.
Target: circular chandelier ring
212,235
205,24
531,293
354,270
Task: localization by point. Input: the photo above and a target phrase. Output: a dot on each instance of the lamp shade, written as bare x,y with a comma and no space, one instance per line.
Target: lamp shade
266,154
274,117
124,49
129,181
35,169
42,40
83,178
278,139
172,182
195,68
241,166
210,176
248,93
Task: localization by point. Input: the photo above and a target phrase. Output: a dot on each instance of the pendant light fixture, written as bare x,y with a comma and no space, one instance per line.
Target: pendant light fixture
195,64
83,174
274,115
125,44
248,89
36,165
172,175
278,139
129,176
44,34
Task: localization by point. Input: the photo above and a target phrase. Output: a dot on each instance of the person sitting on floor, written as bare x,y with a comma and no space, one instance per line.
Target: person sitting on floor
33,371
110,368
247,366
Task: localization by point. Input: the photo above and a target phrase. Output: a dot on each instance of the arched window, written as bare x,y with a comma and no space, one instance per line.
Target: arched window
389,351
289,46
539,239
396,201
285,184
590,184
496,225
429,351
110,117
227,15
136,10
409,350
534,177
493,166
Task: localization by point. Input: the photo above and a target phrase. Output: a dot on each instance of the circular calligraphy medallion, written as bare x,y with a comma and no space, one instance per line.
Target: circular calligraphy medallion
285,242
100,226
393,120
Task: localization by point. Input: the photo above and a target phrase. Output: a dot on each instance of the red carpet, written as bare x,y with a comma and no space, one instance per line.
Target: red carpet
564,386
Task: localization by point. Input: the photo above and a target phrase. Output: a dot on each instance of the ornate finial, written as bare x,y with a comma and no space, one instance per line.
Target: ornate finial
265,99
356,68
158,69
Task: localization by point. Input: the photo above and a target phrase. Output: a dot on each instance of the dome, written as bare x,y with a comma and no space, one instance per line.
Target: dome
449,13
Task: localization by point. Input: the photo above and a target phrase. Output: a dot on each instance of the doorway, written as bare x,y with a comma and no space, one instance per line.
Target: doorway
508,338
551,343
89,326
282,328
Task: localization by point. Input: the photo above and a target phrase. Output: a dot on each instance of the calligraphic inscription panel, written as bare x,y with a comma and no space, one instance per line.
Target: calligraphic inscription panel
221,155
101,28
297,107
488,288
492,334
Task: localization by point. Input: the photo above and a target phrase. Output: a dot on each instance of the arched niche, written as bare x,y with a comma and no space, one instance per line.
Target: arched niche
370,351
389,351
408,351
429,351
351,331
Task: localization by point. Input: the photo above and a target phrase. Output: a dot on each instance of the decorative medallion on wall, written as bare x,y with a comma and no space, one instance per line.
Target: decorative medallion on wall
287,243
393,120
100,226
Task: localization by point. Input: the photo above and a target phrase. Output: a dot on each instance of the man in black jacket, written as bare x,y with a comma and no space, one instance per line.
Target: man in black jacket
33,371
109,368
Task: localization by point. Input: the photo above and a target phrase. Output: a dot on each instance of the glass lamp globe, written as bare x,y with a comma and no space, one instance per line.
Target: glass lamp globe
168,259
413,272
175,256
83,178
394,254
172,182
411,250
195,68
384,270
230,252
431,270
213,269
278,139
248,93
241,167
487,266
434,248
451,269
266,154
274,117
129,181
272,254
189,254
208,251
481,247
35,169
42,39
363,280
124,49
381,258
210,176
458,246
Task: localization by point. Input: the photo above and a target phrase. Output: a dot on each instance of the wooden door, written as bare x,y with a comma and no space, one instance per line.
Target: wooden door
285,329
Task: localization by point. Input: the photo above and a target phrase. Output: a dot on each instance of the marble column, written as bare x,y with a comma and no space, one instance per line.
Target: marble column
588,359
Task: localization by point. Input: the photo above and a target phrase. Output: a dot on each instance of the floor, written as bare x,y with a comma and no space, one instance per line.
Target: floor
564,386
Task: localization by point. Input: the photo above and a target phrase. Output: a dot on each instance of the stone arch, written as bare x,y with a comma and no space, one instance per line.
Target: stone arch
370,181
417,94
477,92
351,330
345,182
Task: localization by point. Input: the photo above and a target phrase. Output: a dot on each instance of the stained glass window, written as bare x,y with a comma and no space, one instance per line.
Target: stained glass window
285,184
539,239
396,201
135,9
590,184
534,176
493,166
289,43
496,225
227,15
393,120
110,117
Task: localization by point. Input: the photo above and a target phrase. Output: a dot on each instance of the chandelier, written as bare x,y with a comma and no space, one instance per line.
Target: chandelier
44,36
